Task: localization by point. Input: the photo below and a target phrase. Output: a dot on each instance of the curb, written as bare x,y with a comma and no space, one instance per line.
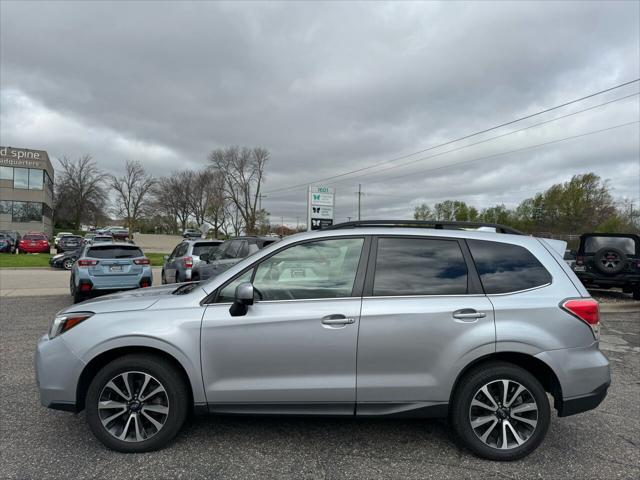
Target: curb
620,307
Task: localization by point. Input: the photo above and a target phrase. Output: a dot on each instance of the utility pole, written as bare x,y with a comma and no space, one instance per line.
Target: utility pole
359,196
260,197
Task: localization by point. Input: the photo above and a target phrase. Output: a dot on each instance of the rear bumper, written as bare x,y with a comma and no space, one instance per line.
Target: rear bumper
583,403
614,281
583,374
35,249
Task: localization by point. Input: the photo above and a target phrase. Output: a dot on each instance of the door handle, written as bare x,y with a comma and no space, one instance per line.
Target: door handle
337,319
468,314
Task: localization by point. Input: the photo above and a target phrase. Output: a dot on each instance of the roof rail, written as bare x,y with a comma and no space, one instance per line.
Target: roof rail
436,224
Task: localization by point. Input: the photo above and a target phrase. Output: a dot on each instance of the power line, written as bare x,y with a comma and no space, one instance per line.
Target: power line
441,167
459,138
487,139
478,142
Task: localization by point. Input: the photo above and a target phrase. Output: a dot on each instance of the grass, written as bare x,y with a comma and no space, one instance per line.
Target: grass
36,260
30,260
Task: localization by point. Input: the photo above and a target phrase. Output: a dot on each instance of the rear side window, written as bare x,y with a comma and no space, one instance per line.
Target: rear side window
419,266
626,244
109,251
202,247
505,268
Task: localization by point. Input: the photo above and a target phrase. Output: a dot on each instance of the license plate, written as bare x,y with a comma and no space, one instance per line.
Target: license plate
579,268
115,268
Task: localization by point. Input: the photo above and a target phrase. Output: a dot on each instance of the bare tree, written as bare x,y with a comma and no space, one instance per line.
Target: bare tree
132,189
172,194
80,190
206,199
243,171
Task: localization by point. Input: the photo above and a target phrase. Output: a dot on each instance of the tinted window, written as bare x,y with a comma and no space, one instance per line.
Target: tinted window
35,179
182,250
507,268
34,237
5,206
20,178
27,212
6,173
109,251
626,244
419,266
200,248
322,269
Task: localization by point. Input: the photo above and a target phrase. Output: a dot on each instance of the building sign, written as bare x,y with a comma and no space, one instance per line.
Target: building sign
19,157
320,205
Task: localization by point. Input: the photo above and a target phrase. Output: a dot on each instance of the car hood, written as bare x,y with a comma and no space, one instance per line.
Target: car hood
138,299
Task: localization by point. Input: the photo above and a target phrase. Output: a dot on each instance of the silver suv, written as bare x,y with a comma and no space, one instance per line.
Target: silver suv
364,321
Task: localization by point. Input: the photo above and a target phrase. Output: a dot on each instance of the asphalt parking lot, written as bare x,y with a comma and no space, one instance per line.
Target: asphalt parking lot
39,443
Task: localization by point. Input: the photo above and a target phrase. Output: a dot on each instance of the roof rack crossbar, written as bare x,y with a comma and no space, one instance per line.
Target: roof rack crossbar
435,224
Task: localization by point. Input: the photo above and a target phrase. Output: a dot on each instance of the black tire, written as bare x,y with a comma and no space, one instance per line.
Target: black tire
636,292
174,385
163,278
467,388
67,264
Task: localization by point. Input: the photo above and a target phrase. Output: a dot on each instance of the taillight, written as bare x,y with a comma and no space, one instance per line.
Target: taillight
85,287
142,261
144,283
87,263
579,260
188,262
585,309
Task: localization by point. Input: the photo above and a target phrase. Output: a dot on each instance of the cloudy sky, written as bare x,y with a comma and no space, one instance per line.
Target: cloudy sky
330,88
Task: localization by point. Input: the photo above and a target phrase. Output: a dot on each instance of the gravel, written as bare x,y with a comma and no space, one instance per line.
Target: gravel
37,443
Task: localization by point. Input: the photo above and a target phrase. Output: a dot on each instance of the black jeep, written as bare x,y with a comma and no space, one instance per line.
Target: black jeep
609,260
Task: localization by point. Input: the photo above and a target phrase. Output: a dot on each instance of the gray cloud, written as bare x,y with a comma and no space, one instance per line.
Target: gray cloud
327,88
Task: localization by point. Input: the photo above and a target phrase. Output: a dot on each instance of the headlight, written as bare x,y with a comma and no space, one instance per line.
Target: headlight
65,322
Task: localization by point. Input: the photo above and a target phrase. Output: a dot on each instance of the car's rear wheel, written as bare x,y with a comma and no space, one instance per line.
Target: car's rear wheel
500,411
137,403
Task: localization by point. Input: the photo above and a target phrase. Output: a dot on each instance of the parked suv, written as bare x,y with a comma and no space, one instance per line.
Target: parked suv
609,260
108,267
227,255
177,266
358,321
69,243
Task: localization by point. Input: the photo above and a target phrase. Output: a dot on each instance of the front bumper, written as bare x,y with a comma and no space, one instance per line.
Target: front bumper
57,372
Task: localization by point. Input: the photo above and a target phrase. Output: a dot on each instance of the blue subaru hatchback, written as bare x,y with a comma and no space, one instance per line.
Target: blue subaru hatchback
103,268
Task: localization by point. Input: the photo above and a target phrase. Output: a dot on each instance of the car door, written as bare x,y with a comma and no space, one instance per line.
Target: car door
295,349
170,266
424,317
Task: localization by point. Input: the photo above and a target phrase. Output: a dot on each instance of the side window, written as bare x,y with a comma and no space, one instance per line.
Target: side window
419,266
182,250
175,250
321,269
228,292
505,268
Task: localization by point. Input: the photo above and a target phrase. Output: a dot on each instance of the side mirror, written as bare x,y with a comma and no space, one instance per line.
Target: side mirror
165,257
244,298
205,257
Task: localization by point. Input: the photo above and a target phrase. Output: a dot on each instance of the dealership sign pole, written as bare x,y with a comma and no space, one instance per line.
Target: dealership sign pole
320,206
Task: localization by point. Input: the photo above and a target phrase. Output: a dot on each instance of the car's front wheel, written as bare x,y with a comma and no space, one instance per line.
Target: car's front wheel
137,403
67,264
500,411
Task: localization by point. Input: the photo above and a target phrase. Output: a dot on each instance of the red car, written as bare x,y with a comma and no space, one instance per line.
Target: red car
34,243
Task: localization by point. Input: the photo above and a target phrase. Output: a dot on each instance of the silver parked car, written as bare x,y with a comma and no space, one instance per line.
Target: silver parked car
227,255
364,321
177,266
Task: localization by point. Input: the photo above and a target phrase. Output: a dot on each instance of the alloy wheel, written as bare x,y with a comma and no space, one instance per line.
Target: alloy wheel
610,260
503,414
133,406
